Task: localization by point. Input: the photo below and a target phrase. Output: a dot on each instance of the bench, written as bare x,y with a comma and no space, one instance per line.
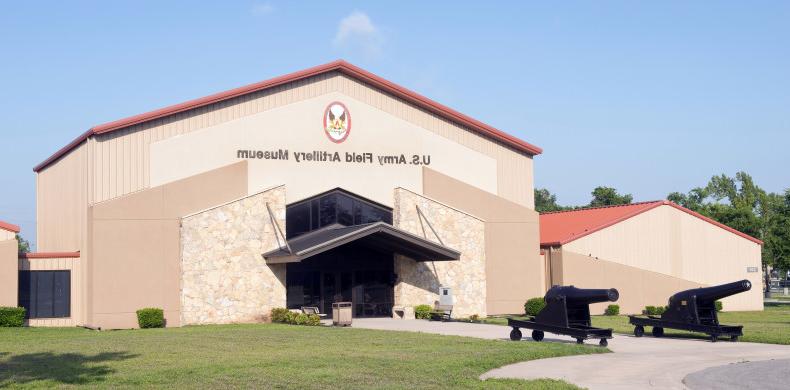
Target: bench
442,312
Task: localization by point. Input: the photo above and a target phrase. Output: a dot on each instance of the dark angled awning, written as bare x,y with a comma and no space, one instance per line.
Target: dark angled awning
378,235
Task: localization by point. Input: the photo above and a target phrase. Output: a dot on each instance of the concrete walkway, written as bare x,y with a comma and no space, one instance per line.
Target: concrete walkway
636,362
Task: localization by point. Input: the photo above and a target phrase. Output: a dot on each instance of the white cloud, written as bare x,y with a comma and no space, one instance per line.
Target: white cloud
262,9
357,31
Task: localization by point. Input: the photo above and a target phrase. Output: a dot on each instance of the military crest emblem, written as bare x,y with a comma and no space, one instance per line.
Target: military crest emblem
337,122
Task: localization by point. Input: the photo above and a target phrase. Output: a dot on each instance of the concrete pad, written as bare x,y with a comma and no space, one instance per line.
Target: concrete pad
635,362
482,331
642,363
763,375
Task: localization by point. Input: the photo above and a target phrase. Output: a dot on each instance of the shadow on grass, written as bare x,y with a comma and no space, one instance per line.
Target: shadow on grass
66,368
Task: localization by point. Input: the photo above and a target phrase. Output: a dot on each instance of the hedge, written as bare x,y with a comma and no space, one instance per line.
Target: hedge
12,317
719,305
654,310
423,312
533,306
285,316
151,317
612,310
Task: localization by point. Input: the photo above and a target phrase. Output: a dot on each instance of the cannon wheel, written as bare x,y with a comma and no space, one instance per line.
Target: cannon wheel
537,335
579,340
734,338
603,343
714,338
515,334
639,331
658,331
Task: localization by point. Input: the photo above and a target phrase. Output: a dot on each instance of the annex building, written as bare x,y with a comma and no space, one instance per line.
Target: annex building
328,184
649,251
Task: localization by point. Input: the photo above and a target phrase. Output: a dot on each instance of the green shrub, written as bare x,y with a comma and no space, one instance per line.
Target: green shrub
533,306
654,310
12,317
474,317
279,314
719,305
285,316
312,320
422,312
612,310
151,317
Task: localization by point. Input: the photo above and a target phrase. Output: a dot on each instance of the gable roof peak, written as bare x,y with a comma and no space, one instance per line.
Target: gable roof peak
339,65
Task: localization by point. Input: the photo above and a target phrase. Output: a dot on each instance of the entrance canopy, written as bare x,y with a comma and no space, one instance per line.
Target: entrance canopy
379,235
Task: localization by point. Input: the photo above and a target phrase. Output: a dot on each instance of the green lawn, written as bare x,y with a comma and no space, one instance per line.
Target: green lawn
770,326
264,356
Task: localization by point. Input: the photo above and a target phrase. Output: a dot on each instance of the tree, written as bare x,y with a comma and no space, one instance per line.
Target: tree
546,201
777,240
742,205
608,196
22,245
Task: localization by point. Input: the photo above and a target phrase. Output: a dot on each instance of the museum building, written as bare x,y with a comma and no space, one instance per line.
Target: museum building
328,184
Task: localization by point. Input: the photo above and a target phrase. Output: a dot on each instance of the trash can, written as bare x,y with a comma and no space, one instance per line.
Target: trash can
341,314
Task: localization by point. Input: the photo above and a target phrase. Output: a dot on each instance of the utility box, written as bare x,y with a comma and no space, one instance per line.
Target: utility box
341,314
445,296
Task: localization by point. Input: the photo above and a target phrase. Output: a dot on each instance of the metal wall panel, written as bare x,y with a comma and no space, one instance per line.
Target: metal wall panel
122,157
672,242
6,235
61,202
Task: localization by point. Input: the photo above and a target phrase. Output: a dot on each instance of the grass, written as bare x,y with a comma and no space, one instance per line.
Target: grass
770,326
263,356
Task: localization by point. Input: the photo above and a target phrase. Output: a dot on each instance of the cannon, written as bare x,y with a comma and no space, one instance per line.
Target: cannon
567,312
694,310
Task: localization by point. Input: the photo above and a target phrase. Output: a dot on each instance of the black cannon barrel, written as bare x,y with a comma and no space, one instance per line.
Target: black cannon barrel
583,295
713,293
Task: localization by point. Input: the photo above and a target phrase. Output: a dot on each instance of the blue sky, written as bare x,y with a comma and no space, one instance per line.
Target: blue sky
647,97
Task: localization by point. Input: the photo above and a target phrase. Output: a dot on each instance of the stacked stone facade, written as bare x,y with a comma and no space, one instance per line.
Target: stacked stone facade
224,277
419,282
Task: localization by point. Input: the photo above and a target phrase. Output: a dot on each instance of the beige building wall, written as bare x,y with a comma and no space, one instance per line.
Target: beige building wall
515,271
419,282
73,264
637,287
62,202
135,246
671,242
224,277
118,163
9,277
7,235
373,131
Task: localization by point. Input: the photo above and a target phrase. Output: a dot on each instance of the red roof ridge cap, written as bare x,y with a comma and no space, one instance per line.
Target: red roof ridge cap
49,255
602,207
10,227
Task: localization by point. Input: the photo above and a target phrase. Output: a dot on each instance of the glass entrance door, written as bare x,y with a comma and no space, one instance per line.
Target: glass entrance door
347,274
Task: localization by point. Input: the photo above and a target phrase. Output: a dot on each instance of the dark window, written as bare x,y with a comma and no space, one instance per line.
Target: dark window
328,212
345,210
297,219
314,216
45,294
333,207
367,213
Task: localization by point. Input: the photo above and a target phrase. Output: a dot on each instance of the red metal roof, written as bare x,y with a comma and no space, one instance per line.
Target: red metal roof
49,255
9,226
561,227
339,66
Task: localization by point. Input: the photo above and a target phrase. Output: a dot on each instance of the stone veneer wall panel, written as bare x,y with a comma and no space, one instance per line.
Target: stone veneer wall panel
419,282
224,277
